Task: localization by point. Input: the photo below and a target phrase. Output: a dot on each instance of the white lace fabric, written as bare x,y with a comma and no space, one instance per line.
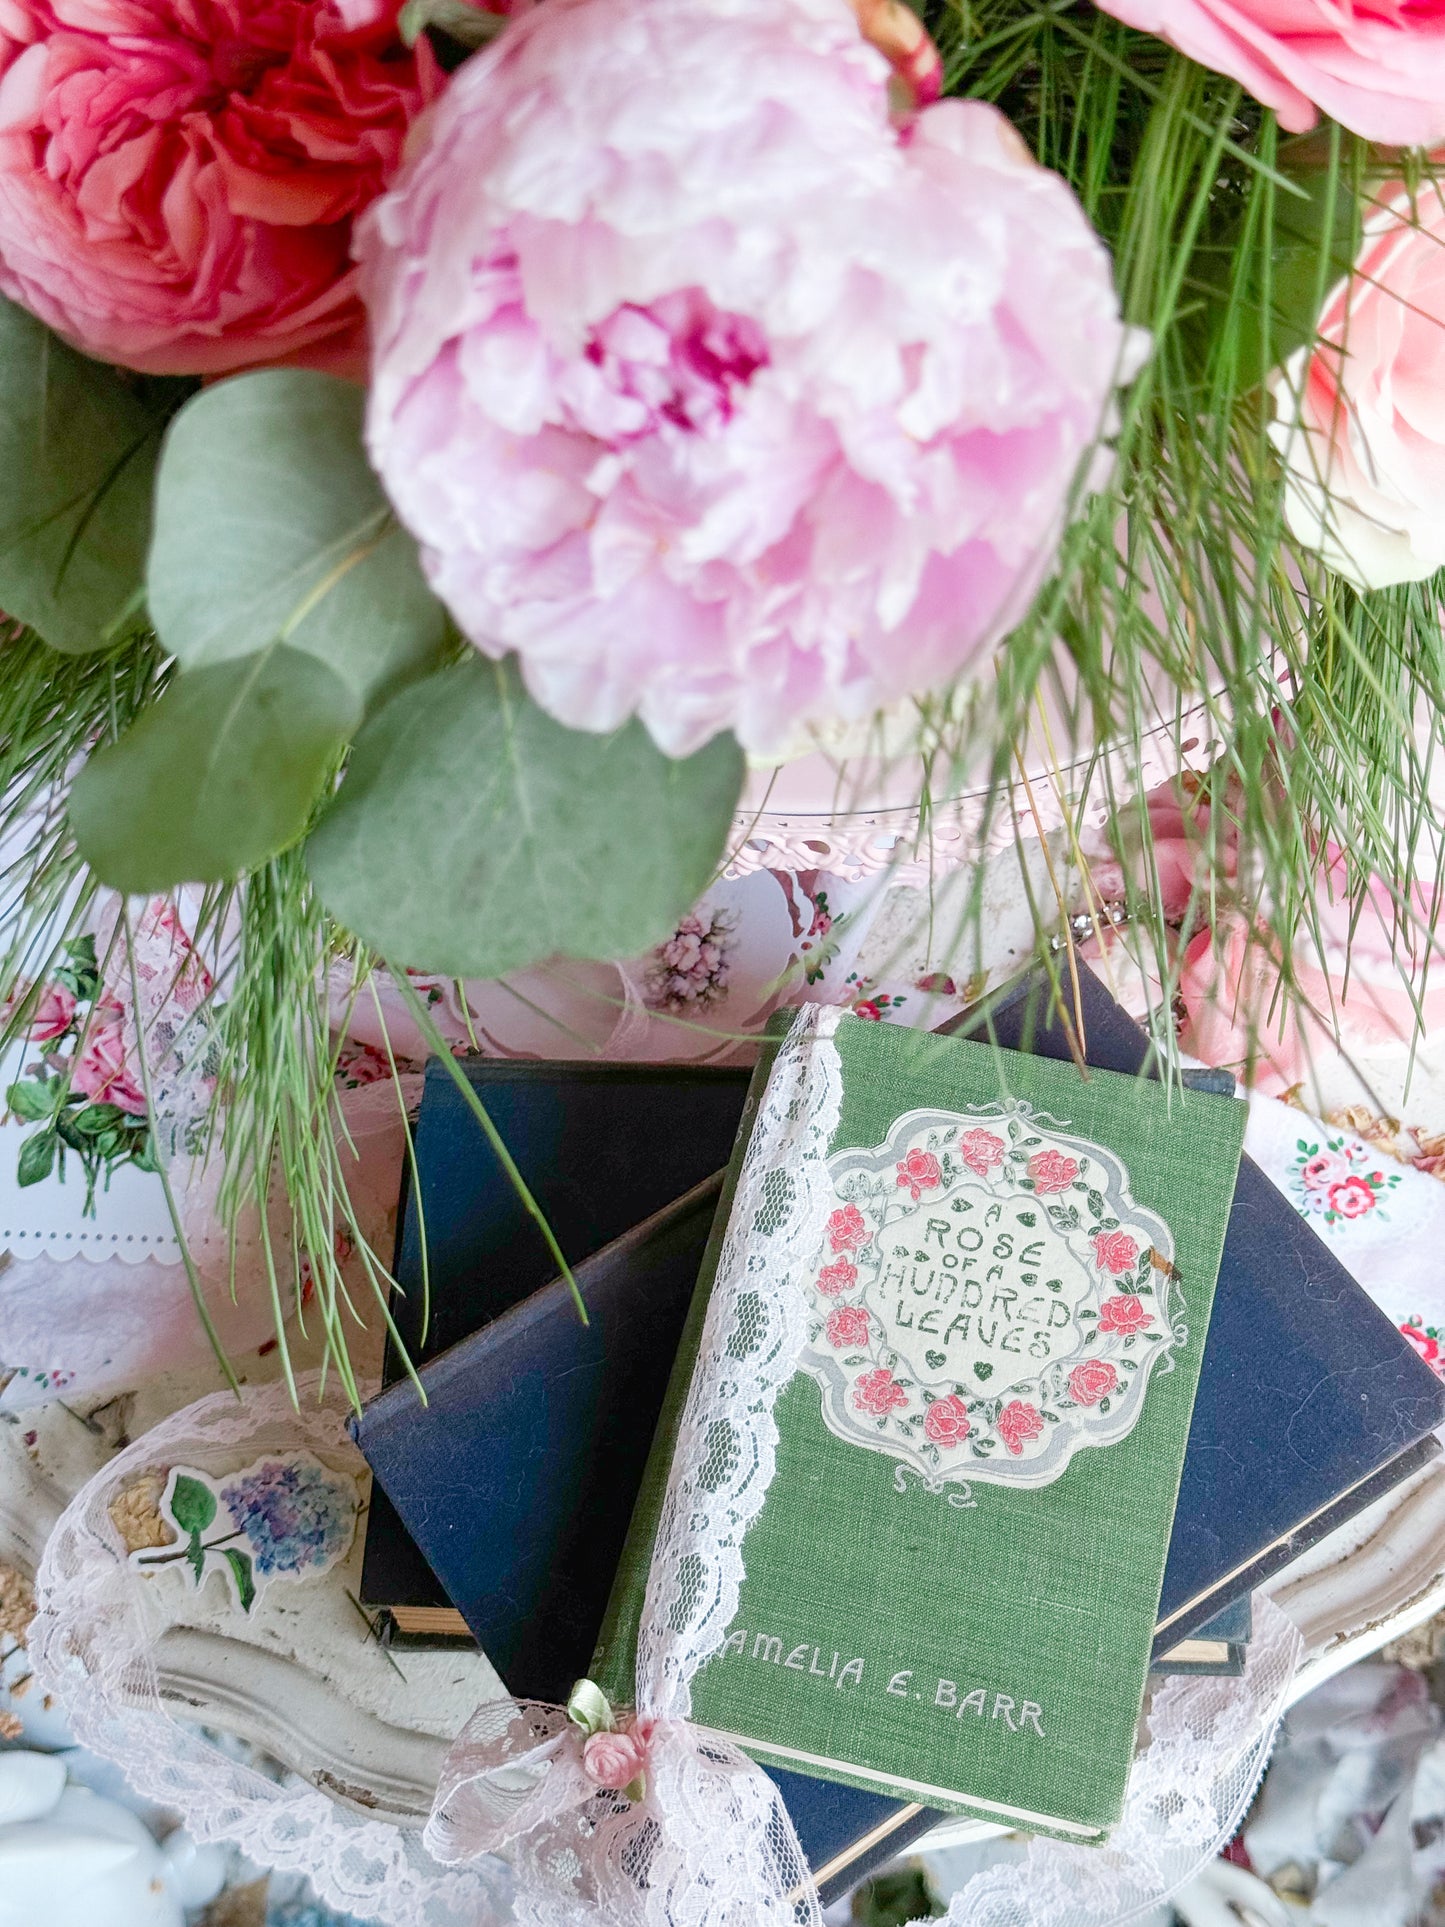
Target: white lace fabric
93,1646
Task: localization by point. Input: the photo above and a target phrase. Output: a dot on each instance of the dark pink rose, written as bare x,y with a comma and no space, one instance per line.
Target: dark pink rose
53,1014
847,1230
1052,1171
1018,1423
1091,1381
1351,1197
179,178
1115,1252
947,1421
1425,1345
878,1393
847,1325
919,1172
981,1151
1123,1313
868,1010
837,1278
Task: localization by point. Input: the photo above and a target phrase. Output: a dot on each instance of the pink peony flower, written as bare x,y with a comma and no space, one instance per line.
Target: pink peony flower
1380,71
1092,1380
878,1393
919,1172
1017,1424
53,1014
714,395
178,180
847,1230
847,1325
613,1760
981,1151
101,1072
1362,438
1115,1252
947,1421
1351,1198
837,1278
1124,1313
1051,1171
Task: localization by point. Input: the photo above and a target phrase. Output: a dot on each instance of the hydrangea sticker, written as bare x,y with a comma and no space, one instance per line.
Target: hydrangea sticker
279,1518
989,1297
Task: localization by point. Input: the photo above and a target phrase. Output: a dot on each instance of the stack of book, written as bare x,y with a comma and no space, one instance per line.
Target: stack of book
1048,1535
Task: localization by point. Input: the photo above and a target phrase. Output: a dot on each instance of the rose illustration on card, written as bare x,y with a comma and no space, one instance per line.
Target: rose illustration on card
989,1297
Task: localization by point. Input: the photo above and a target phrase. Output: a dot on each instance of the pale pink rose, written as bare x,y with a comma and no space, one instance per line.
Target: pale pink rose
1051,1172
981,1151
714,395
1359,422
1321,1171
1125,1314
1115,1252
613,1760
1018,1423
178,180
946,1422
1378,70
1092,1380
53,1014
102,1071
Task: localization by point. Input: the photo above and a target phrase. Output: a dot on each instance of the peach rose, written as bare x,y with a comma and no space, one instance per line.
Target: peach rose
1359,423
178,181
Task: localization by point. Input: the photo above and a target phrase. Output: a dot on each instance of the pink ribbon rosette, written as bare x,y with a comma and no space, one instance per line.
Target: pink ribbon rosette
643,1817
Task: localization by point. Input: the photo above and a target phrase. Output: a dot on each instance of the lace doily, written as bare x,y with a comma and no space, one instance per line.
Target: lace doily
93,1645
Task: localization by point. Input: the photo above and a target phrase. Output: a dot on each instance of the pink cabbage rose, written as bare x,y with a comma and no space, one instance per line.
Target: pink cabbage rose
102,1071
178,178
1359,418
1378,70
714,395
54,1012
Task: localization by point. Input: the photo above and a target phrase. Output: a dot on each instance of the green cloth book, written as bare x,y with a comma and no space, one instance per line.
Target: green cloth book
951,1587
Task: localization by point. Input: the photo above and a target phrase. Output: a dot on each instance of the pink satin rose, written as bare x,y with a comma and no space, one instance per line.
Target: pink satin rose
1378,70
53,1014
1359,421
178,178
613,1760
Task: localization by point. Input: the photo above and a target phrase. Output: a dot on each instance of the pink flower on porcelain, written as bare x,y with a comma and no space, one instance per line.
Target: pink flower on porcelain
878,1393
919,1172
1115,1252
178,180
1018,1423
1378,70
946,1422
1356,424
613,1760
835,1279
1092,1380
1051,1171
1352,1197
847,1325
53,1014
847,1229
714,395
1125,1314
1322,1170
981,1151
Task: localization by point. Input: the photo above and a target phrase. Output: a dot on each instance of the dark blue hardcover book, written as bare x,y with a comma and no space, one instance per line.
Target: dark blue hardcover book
1219,1646
1310,1404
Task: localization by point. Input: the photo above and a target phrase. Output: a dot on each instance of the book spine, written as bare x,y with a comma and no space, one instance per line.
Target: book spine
614,1662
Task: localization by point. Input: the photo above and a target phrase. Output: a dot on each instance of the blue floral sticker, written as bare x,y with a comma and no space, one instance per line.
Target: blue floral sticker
279,1518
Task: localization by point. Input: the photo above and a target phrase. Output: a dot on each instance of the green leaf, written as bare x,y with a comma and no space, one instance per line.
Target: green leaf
77,460
196,1557
37,1157
240,1565
193,1504
271,527
32,1098
96,1118
221,774
460,20
474,835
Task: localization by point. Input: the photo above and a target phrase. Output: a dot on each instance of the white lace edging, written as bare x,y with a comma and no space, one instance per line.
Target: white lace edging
93,1646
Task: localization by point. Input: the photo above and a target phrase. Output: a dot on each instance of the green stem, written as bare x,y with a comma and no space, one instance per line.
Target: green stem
439,1047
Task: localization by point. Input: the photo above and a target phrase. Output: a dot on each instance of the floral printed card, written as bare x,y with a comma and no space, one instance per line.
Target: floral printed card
950,1591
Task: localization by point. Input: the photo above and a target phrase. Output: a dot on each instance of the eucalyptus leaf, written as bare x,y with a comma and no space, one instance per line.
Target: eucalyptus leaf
78,452
222,773
271,527
193,1504
473,835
